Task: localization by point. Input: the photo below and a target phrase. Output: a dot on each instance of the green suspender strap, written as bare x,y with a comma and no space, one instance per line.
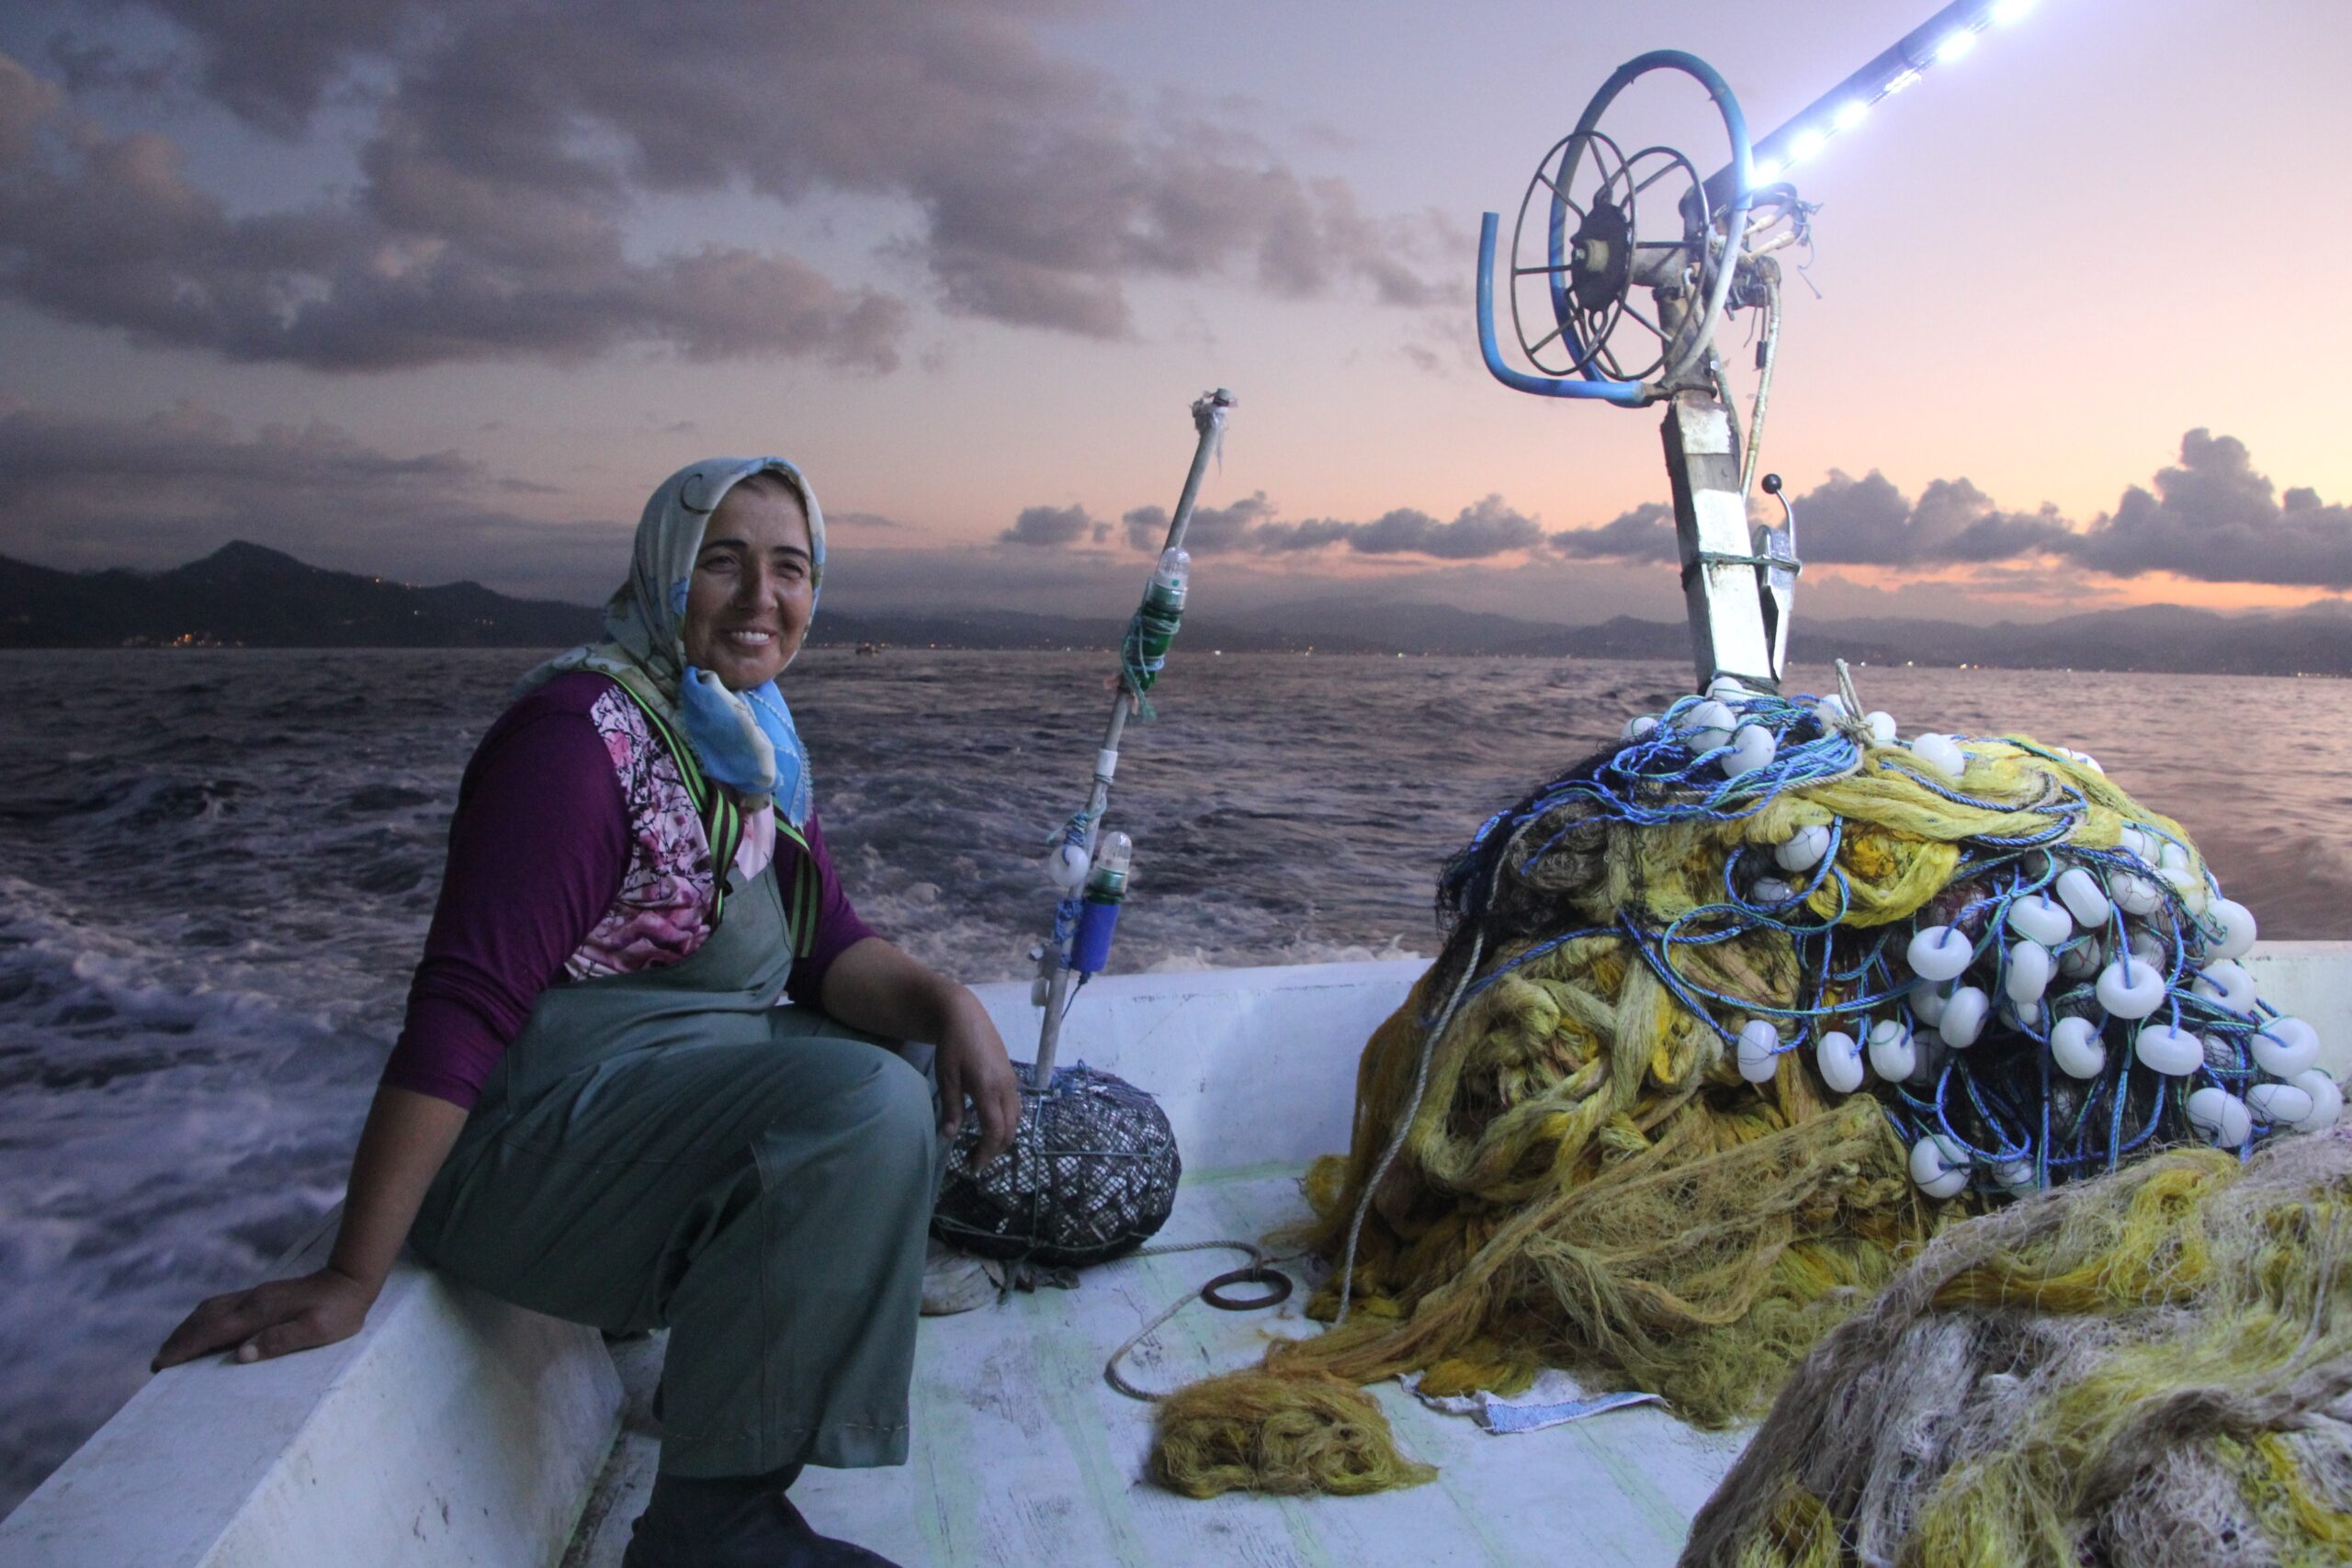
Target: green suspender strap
800,909
722,826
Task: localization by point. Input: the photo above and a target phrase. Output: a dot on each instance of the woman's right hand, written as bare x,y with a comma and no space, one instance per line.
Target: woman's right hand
406,1138
272,1319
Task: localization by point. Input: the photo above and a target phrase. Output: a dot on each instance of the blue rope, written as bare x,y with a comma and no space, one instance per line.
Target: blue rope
1996,1113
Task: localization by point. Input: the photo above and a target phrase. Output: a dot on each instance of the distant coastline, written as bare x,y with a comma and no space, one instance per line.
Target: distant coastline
244,595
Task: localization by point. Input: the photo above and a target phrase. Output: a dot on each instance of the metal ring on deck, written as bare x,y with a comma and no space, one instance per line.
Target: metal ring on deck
1254,1274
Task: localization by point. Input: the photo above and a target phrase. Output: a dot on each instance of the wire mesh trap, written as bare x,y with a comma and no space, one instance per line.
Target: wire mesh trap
1092,1173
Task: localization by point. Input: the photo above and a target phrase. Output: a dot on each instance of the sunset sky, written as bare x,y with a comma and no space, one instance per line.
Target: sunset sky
441,290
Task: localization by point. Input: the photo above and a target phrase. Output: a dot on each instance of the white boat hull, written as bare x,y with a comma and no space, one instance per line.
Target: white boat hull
457,1429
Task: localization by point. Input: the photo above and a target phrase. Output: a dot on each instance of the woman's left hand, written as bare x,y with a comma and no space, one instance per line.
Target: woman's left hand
971,1061
872,986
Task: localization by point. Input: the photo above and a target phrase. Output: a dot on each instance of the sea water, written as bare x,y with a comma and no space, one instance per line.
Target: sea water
215,868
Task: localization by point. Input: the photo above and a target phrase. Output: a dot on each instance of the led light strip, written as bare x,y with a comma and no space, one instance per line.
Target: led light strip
1948,36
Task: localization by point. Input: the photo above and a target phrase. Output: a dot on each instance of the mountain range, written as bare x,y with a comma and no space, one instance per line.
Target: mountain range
246,595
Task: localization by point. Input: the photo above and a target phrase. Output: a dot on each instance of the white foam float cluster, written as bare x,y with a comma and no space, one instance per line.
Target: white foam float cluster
2115,963
2119,962
1718,722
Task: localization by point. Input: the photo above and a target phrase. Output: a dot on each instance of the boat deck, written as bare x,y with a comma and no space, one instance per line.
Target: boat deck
1023,1454
457,1429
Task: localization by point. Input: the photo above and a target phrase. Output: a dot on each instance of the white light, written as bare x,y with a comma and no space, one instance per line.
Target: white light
1768,171
1804,145
2008,11
1908,78
1849,114
1953,48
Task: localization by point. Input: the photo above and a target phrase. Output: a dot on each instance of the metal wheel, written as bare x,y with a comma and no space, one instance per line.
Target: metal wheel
1595,205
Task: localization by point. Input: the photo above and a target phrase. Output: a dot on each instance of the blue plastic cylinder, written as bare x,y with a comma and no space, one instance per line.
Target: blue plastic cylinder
1091,949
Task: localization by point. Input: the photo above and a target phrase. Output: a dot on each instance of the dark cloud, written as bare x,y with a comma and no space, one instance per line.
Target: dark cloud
1054,526
1868,522
272,62
1147,527
1846,521
2214,518
1100,585
1214,530
1489,528
875,520
435,267
511,146
2211,517
1646,533
26,102
81,492
89,66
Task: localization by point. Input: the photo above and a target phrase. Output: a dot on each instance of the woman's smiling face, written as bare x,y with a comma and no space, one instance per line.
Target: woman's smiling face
753,587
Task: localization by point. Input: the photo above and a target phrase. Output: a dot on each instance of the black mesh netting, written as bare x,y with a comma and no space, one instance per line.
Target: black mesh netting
1091,1174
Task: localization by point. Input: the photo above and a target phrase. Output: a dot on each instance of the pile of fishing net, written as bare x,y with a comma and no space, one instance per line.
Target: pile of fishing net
2151,1368
1732,1018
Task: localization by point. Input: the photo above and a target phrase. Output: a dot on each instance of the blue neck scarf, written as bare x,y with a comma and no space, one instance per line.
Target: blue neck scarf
746,741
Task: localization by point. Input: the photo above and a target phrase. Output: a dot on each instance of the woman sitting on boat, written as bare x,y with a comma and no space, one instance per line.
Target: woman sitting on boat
602,1107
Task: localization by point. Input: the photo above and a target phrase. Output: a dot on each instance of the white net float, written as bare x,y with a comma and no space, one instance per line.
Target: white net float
1840,1058
2176,1053
2285,1047
2041,918
1758,1050
1751,749
2076,1048
2226,985
1940,953
1892,1055
2086,900
2327,1100
2221,1116
1942,753
1964,1015
1939,1166
2233,924
1803,850
2130,988
2029,970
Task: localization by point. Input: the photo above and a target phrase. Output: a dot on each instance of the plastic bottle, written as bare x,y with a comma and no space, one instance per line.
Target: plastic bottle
1106,887
1170,580
1163,608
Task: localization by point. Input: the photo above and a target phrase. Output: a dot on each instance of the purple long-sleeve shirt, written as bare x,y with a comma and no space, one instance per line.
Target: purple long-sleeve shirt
539,850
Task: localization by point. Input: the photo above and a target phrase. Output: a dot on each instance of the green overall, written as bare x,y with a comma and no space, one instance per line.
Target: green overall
669,1148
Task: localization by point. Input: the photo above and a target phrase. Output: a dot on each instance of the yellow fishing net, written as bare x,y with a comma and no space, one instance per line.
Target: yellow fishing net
2154,1368
1584,1177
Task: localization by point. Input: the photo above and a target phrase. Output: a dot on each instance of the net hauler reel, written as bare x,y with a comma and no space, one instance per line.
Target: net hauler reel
1625,265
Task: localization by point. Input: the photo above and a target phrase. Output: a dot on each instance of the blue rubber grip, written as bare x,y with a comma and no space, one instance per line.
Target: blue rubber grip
1091,949
1625,394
